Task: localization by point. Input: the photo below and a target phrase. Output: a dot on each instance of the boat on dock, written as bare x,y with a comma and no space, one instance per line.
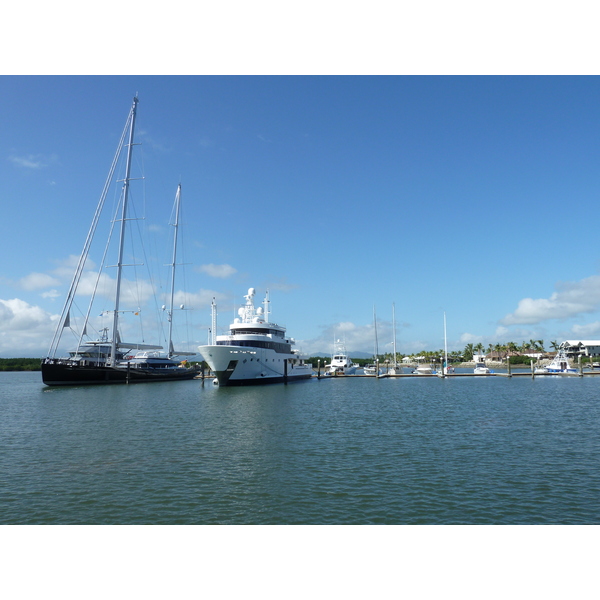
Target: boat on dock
424,370
481,368
108,359
341,363
255,351
373,368
445,370
559,364
395,369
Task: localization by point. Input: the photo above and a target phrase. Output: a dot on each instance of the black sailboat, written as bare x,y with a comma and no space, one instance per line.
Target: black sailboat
108,359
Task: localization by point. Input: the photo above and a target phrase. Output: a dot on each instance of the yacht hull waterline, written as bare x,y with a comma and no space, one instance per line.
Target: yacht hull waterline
60,373
255,352
246,366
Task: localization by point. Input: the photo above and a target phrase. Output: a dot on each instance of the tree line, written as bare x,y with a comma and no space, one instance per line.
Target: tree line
20,364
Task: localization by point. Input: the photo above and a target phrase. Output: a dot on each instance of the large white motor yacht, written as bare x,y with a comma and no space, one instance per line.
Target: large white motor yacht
255,351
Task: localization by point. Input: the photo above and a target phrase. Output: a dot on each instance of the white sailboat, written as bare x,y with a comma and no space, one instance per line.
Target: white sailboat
445,367
395,369
373,369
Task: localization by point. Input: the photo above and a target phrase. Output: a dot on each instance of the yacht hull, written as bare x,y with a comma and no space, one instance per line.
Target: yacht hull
341,371
62,374
247,365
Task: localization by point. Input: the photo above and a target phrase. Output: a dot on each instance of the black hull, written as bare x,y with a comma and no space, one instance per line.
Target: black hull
64,374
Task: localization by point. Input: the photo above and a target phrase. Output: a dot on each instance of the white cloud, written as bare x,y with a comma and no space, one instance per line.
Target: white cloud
51,294
151,142
570,299
281,286
133,293
361,339
469,338
66,267
220,271
25,330
33,161
583,332
37,281
501,332
197,300
356,338
72,261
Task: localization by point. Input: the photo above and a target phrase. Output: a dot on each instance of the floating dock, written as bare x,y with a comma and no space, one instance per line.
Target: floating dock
451,375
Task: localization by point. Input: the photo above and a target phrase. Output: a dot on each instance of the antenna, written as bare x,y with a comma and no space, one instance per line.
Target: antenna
266,303
213,314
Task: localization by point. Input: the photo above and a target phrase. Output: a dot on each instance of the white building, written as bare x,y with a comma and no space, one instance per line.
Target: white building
581,347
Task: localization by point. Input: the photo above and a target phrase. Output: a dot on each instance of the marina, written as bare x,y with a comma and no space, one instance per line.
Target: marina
394,373
513,373
254,351
307,187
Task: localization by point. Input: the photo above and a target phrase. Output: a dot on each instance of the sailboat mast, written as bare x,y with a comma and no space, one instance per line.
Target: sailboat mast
173,263
375,327
445,347
125,195
394,328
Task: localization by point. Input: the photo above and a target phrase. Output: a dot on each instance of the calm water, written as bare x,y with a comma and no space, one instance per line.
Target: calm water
343,451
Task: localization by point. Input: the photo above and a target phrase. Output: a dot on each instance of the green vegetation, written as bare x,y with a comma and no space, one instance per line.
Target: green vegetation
20,364
516,354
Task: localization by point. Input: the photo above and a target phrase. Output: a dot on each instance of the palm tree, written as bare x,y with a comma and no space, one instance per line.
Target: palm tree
555,345
468,352
455,356
498,350
479,348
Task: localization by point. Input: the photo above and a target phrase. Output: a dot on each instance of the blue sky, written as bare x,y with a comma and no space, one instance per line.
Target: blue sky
470,195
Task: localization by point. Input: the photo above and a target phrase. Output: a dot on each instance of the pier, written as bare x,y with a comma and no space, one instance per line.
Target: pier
507,375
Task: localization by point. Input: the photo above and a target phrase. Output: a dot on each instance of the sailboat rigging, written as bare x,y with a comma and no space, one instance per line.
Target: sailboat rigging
373,369
396,369
108,359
